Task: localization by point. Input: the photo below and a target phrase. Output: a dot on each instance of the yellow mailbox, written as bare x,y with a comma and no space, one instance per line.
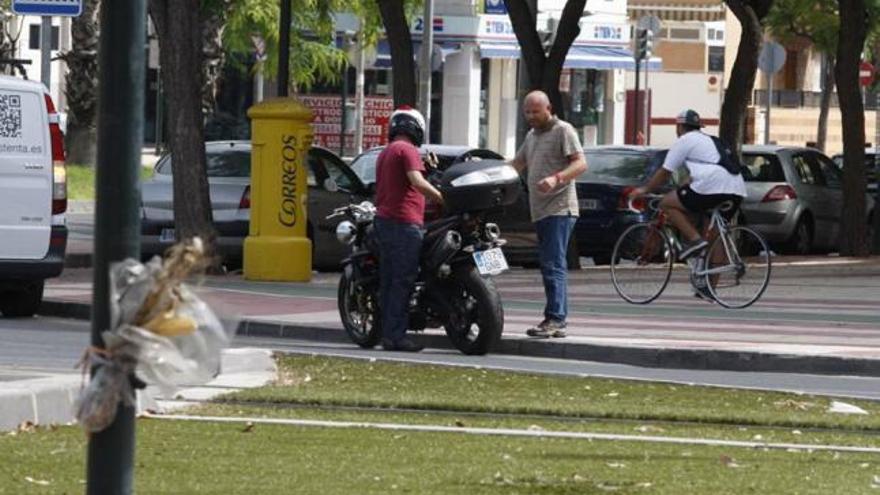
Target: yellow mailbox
277,247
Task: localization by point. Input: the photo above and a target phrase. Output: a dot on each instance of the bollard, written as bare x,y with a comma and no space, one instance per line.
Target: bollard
277,247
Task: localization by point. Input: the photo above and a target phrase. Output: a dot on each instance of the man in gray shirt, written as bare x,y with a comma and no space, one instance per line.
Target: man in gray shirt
553,156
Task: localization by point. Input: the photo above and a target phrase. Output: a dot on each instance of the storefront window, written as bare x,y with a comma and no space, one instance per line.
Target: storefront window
583,93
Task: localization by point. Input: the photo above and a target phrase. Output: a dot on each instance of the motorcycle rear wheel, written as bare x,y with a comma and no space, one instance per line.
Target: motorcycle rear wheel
359,310
478,319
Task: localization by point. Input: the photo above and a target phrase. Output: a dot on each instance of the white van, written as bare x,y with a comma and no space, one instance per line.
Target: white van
33,195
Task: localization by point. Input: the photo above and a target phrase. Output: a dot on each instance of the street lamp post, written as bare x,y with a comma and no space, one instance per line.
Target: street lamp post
425,66
284,49
122,62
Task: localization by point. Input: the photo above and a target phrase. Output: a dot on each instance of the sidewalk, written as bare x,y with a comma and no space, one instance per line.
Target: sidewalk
44,399
816,317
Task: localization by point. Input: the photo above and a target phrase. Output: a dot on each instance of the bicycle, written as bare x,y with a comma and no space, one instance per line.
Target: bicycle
734,270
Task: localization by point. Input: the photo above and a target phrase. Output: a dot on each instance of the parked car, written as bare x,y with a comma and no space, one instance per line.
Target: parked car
872,168
794,197
612,172
229,176
364,165
33,195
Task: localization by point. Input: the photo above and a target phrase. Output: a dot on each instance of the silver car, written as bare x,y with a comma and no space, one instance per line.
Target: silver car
795,197
331,184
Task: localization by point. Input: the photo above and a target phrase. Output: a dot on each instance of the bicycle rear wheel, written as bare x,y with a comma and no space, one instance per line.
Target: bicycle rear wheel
738,271
641,263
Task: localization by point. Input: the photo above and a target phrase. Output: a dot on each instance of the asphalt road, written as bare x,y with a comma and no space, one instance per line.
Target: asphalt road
53,346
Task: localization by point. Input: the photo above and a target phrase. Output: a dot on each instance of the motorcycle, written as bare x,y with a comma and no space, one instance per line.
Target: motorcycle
460,253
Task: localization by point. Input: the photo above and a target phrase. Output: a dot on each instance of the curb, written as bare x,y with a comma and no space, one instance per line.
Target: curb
51,399
696,359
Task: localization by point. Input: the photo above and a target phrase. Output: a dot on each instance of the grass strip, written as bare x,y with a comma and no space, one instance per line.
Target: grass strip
320,380
185,457
81,181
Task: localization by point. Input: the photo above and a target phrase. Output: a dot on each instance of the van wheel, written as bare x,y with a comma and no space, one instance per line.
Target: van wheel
24,302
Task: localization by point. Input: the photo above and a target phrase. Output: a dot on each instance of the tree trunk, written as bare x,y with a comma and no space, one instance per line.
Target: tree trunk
849,51
544,70
825,103
82,86
400,42
742,76
178,25
566,32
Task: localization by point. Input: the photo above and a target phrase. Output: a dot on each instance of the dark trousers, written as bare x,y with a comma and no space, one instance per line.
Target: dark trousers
554,233
399,248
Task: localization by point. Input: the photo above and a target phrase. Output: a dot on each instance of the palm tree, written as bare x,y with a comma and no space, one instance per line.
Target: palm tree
82,85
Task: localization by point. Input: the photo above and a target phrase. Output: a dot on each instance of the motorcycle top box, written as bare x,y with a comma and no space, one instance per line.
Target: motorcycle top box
479,185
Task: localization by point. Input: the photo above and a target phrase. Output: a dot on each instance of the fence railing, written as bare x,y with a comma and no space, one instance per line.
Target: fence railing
786,98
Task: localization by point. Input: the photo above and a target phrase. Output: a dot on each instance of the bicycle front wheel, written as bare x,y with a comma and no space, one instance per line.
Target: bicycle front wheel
641,263
738,268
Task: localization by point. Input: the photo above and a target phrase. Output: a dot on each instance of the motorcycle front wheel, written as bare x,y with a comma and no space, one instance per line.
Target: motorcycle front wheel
477,319
359,310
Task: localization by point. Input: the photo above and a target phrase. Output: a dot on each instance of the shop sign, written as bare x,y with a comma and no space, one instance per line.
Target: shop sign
327,111
495,7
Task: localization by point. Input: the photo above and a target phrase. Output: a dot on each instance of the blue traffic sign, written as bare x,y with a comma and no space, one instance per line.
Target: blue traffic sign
71,8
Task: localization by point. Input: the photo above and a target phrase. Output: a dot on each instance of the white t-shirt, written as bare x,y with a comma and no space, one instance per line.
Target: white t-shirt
697,151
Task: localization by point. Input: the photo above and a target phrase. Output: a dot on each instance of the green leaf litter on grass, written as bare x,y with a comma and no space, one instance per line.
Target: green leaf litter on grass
350,382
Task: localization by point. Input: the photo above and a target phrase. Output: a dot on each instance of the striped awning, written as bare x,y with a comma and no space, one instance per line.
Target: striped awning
706,11
596,57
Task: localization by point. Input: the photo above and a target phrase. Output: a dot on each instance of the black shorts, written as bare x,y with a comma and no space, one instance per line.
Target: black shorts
703,203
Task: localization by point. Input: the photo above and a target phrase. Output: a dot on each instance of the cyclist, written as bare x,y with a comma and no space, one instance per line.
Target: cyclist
710,184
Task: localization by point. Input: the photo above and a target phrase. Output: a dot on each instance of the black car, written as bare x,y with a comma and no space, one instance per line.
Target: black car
612,172
331,184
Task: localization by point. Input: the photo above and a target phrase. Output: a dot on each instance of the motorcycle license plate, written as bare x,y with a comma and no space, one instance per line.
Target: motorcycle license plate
491,261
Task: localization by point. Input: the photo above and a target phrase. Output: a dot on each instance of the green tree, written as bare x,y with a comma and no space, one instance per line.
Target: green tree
544,68
817,21
751,15
313,53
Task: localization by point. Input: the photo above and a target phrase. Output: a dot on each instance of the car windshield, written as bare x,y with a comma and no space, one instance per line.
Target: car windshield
226,163
365,167
619,167
762,167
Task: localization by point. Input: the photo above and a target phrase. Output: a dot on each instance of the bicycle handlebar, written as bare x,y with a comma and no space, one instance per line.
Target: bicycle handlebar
653,202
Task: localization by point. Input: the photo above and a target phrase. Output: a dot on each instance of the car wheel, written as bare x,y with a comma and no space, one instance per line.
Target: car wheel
23,302
801,241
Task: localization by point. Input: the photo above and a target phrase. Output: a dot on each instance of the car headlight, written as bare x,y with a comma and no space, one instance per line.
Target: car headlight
345,232
486,176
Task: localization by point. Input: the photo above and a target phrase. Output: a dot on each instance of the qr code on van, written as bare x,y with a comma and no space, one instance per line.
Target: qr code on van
10,116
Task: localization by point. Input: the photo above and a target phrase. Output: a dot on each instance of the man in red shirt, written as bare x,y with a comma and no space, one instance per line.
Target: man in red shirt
400,203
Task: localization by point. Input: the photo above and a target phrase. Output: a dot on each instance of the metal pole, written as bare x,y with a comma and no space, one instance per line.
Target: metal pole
284,49
122,62
46,52
160,113
425,66
344,115
648,102
359,94
636,114
767,114
875,242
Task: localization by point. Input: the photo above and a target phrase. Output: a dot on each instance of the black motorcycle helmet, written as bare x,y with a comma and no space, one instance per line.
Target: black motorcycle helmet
408,121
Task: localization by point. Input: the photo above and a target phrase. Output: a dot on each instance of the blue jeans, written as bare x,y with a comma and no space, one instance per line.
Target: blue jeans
399,247
554,233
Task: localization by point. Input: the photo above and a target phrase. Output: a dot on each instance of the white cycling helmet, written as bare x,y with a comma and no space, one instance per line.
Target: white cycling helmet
409,121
